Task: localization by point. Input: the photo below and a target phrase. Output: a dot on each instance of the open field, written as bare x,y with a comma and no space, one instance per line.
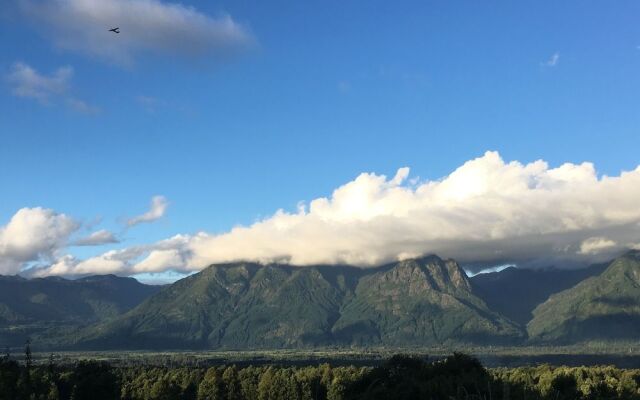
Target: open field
621,356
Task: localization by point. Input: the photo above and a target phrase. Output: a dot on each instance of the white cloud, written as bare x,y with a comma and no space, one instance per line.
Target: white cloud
27,82
553,60
170,254
595,245
486,212
160,260
31,235
97,238
146,26
157,210
489,270
68,265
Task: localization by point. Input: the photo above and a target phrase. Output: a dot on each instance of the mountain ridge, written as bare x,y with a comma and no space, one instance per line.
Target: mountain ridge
247,305
603,307
48,306
425,301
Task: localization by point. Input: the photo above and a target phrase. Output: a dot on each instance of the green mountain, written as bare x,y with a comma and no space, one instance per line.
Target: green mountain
243,305
516,292
51,306
604,307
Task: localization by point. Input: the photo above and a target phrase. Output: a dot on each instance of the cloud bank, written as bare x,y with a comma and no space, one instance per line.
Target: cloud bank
147,26
486,212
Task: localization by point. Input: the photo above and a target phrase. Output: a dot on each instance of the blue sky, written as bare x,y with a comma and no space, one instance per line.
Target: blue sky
324,91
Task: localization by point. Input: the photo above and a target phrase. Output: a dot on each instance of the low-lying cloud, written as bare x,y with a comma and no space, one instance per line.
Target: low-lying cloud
146,26
486,212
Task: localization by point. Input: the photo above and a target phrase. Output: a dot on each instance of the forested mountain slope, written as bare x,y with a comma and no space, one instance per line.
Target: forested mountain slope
243,305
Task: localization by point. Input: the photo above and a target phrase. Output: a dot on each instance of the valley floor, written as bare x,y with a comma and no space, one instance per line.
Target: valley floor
620,355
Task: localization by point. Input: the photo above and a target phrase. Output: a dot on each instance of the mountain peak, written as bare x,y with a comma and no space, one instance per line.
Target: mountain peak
442,274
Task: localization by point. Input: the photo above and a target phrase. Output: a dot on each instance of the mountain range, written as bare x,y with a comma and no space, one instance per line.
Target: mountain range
51,307
425,301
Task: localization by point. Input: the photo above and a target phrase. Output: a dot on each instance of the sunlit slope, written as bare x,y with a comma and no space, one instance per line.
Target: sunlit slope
420,302
605,307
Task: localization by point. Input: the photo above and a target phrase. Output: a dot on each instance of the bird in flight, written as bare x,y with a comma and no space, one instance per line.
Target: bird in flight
115,30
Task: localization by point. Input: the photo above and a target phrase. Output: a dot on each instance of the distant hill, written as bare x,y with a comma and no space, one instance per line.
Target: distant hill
516,292
239,306
604,307
53,305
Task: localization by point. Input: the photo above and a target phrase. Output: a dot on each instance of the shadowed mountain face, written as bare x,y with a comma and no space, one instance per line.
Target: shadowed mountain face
414,302
515,292
50,306
605,307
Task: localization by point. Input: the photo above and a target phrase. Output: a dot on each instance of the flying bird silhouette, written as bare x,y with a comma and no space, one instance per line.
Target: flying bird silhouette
115,30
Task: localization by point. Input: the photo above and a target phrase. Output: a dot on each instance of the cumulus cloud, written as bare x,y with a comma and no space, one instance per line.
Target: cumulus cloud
553,60
27,82
486,212
170,254
97,238
31,235
156,211
147,26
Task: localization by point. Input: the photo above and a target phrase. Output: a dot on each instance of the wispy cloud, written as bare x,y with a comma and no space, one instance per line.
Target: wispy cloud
97,238
344,87
149,103
552,61
147,26
156,211
27,82
82,107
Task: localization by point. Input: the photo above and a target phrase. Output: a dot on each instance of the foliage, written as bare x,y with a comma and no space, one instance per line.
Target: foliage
402,377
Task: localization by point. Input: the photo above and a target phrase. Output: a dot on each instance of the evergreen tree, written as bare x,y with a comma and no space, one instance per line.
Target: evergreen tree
212,386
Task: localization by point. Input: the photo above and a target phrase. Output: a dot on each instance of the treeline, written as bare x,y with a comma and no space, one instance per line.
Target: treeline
402,377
